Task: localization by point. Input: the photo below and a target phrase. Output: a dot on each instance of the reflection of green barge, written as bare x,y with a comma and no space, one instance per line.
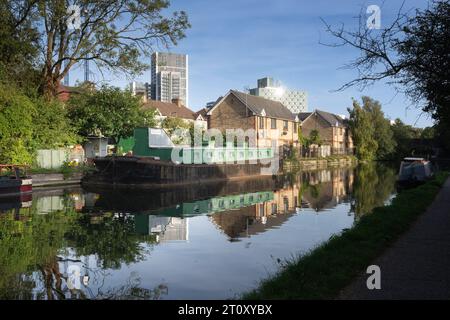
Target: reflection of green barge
162,221
213,205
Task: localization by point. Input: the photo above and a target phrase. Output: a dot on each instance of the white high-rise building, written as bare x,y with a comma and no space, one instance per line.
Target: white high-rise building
295,100
170,77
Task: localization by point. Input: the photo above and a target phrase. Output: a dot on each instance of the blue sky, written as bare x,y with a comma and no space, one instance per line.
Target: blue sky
232,43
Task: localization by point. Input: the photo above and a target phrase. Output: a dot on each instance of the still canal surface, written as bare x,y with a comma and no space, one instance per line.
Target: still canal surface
205,242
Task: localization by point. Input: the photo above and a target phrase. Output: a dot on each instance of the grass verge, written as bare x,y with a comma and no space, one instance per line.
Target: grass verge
327,269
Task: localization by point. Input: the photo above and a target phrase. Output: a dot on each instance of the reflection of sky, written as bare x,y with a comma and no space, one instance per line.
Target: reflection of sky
209,266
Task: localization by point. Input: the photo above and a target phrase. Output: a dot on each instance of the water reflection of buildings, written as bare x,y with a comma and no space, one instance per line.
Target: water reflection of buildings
171,224
270,212
165,228
324,189
317,190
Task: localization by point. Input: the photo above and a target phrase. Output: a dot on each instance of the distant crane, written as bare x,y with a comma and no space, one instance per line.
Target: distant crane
86,70
66,78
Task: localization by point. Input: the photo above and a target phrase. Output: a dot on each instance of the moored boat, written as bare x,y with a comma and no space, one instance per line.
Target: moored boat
414,171
14,180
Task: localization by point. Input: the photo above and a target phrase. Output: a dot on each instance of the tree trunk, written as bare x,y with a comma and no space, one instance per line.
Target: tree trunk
49,87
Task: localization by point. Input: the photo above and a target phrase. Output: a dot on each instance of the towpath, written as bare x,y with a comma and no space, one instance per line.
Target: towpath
417,266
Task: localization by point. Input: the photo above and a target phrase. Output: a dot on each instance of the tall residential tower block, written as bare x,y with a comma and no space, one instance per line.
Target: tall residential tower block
170,77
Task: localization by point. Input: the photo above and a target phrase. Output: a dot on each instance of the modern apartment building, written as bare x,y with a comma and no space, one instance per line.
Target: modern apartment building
170,77
296,101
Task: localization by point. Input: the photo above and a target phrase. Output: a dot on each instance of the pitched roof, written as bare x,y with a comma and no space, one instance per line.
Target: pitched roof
170,109
303,115
259,106
202,112
332,119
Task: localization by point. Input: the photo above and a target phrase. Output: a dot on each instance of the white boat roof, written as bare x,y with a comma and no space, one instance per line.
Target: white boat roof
413,159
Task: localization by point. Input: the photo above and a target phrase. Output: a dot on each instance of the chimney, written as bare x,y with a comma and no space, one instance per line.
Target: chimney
177,101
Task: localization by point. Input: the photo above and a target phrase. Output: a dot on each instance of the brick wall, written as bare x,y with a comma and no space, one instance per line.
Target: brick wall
231,114
315,122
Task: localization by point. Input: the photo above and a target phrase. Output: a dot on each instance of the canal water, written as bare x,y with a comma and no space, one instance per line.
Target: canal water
203,242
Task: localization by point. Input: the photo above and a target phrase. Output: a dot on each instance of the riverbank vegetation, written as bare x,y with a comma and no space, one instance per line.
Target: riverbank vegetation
324,271
377,138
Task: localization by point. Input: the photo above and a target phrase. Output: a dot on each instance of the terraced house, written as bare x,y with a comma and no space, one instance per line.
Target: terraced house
271,120
332,129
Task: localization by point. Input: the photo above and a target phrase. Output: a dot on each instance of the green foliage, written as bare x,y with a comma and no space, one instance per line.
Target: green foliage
109,112
403,134
16,126
382,129
35,242
373,185
177,128
424,57
112,239
148,118
363,132
102,36
18,47
428,133
28,124
314,137
52,128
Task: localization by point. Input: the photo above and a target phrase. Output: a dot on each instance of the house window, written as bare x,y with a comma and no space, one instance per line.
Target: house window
285,125
261,122
295,127
273,123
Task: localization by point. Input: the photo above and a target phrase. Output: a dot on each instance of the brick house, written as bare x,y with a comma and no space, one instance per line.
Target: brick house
333,130
270,119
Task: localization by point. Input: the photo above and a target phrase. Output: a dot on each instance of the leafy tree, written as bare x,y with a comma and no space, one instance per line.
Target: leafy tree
16,126
176,129
109,112
363,132
403,135
428,133
148,118
382,129
314,137
52,128
112,34
18,44
412,52
112,239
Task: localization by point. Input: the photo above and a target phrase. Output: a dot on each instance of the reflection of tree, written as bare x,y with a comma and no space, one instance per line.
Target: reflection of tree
374,184
112,239
27,241
30,244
